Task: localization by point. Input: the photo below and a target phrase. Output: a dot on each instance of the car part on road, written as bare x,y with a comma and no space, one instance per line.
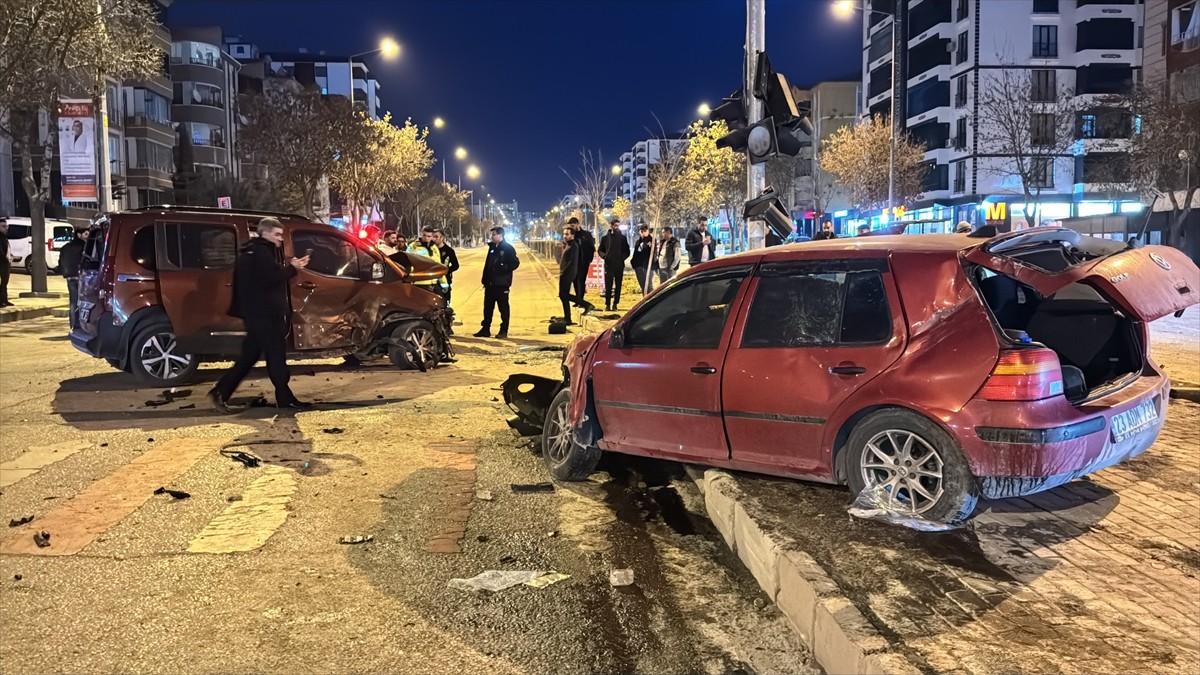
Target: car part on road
153,356
533,487
20,521
356,539
529,396
42,539
176,494
245,458
564,457
495,580
333,430
876,503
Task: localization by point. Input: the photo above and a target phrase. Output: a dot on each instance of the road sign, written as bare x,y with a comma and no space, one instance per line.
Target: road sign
595,275
224,203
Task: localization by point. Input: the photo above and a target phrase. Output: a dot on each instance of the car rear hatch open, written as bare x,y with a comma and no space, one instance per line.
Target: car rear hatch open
1082,297
418,267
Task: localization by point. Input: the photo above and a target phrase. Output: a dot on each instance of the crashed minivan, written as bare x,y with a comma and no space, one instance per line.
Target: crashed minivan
934,369
156,285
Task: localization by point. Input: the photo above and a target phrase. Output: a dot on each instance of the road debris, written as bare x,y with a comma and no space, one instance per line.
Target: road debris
177,494
495,580
356,539
244,457
621,577
17,577
546,580
333,430
876,503
484,495
532,487
42,539
19,521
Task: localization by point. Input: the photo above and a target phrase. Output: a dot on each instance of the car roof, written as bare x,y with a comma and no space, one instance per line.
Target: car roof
885,244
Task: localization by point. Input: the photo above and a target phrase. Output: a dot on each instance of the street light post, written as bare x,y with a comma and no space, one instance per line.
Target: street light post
387,46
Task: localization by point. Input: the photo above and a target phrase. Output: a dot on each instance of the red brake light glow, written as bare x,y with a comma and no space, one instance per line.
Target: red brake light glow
1024,375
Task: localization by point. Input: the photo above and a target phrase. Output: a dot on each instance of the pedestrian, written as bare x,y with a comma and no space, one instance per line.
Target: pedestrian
643,249
587,252
568,275
70,257
260,299
863,230
963,227
826,231
667,260
498,269
773,239
614,250
694,242
449,259
5,266
425,246
389,243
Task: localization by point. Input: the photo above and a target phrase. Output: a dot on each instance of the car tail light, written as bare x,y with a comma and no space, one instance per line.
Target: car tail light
50,244
362,234
1024,375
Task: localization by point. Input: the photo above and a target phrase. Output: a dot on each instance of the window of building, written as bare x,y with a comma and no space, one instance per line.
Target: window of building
156,107
195,53
960,176
331,256
881,46
963,10
819,304
207,134
1045,42
199,247
1185,27
1041,129
1045,86
1041,172
152,156
960,53
1087,125
960,91
691,315
960,134
1105,34
1045,6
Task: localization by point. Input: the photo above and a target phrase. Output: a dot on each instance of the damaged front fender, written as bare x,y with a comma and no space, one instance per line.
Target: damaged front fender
529,396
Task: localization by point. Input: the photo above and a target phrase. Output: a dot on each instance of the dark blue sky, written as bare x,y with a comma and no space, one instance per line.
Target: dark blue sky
524,85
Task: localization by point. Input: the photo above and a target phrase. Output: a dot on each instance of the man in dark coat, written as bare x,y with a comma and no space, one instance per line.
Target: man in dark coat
614,249
70,257
568,274
587,251
695,242
497,280
643,249
4,264
826,231
260,298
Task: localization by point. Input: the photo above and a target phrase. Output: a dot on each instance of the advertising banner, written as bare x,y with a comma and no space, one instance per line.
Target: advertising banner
77,150
595,275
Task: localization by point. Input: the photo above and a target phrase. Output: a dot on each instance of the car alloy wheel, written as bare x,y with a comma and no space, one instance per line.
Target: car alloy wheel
558,432
426,343
159,359
907,467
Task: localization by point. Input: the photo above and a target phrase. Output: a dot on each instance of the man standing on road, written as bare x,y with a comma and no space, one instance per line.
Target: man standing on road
695,242
643,248
568,275
614,249
826,231
5,266
587,251
498,270
449,259
667,260
425,246
260,298
70,256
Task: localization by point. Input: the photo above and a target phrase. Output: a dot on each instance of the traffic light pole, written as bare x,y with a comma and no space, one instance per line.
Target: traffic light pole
756,174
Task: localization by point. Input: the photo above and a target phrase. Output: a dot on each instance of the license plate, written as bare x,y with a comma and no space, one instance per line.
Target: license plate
1134,421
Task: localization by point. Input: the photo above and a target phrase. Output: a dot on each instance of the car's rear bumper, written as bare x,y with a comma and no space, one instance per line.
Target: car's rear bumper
1013,450
106,342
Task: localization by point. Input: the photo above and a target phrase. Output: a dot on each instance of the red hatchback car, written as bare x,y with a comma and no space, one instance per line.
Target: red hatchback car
940,367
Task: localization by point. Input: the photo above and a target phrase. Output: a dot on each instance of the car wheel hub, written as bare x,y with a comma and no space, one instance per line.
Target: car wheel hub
158,357
907,467
560,433
423,341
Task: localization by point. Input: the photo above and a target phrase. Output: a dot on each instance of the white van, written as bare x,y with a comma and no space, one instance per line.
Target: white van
20,241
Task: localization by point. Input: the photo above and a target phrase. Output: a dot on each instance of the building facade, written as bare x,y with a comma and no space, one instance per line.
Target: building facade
142,137
333,75
203,104
636,163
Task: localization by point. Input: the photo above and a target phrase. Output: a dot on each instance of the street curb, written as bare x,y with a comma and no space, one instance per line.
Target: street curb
21,314
840,637
1187,392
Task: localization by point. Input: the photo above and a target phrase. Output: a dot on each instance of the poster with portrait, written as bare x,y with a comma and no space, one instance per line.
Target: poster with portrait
77,150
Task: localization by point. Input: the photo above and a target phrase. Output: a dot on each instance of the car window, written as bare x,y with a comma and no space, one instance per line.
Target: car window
331,255
199,246
807,305
690,315
19,231
64,232
143,248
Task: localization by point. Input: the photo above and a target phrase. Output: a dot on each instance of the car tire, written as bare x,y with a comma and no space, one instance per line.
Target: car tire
152,357
422,335
564,458
929,476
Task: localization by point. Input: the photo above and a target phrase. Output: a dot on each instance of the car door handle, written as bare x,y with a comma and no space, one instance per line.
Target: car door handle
704,370
847,370
307,284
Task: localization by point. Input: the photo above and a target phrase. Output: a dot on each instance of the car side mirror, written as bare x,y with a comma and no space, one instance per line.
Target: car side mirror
616,337
376,271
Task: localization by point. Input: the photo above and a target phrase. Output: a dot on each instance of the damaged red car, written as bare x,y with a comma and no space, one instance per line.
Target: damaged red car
936,368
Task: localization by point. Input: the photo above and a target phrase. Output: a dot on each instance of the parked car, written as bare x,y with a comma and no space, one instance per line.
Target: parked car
156,287
20,242
940,367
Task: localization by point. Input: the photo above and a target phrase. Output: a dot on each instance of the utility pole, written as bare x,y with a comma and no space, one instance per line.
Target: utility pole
756,174
104,189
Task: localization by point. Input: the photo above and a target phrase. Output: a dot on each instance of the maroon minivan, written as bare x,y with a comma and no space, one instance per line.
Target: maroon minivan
934,368
156,285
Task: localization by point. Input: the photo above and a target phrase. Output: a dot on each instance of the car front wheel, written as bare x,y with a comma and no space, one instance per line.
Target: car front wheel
919,467
566,459
154,357
424,340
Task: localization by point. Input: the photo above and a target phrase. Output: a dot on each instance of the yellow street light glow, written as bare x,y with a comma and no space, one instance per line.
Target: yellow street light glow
438,123
389,48
843,9
704,109
616,169
472,172
460,153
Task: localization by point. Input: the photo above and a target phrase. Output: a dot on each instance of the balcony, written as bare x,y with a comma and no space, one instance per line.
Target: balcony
1086,11
209,60
1087,57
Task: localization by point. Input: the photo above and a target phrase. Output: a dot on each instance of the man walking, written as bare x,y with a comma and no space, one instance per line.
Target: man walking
568,276
449,259
695,242
643,248
260,299
70,257
587,251
498,270
614,249
667,260
5,266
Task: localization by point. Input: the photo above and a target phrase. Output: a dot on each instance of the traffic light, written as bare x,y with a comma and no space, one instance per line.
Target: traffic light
772,135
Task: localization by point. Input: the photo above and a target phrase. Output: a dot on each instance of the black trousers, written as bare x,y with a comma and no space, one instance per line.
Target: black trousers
495,296
612,285
73,295
564,294
264,339
4,272
581,283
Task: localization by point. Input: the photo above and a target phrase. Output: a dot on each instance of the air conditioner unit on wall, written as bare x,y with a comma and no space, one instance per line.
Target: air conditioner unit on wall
951,46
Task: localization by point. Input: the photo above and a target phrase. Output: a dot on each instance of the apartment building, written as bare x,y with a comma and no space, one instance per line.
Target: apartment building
949,50
142,137
635,164
203,104
829,106
333,75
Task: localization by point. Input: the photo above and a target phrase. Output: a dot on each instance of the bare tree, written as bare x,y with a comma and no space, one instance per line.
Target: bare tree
666,200
62,48
593,183
1028,119
857,157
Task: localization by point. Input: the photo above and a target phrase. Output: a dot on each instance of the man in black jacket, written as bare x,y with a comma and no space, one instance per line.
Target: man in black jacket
695,241
260,298
587,251
497,280
449,259
643,249
70,256
4,264
568,274
614,249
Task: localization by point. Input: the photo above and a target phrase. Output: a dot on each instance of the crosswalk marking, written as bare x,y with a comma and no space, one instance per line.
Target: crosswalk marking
36,459
248,524
79,520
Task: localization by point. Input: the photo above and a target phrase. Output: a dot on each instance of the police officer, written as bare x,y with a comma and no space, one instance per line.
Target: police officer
260,298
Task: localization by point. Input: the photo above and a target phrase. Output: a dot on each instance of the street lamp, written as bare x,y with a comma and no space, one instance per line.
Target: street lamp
472,172
387,46
844,9
616,169
460,152
704,110
438,123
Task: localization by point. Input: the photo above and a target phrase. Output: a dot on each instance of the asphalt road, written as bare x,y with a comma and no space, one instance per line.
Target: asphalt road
247,574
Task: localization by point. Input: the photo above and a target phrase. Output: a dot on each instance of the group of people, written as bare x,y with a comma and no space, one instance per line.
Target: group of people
432,244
